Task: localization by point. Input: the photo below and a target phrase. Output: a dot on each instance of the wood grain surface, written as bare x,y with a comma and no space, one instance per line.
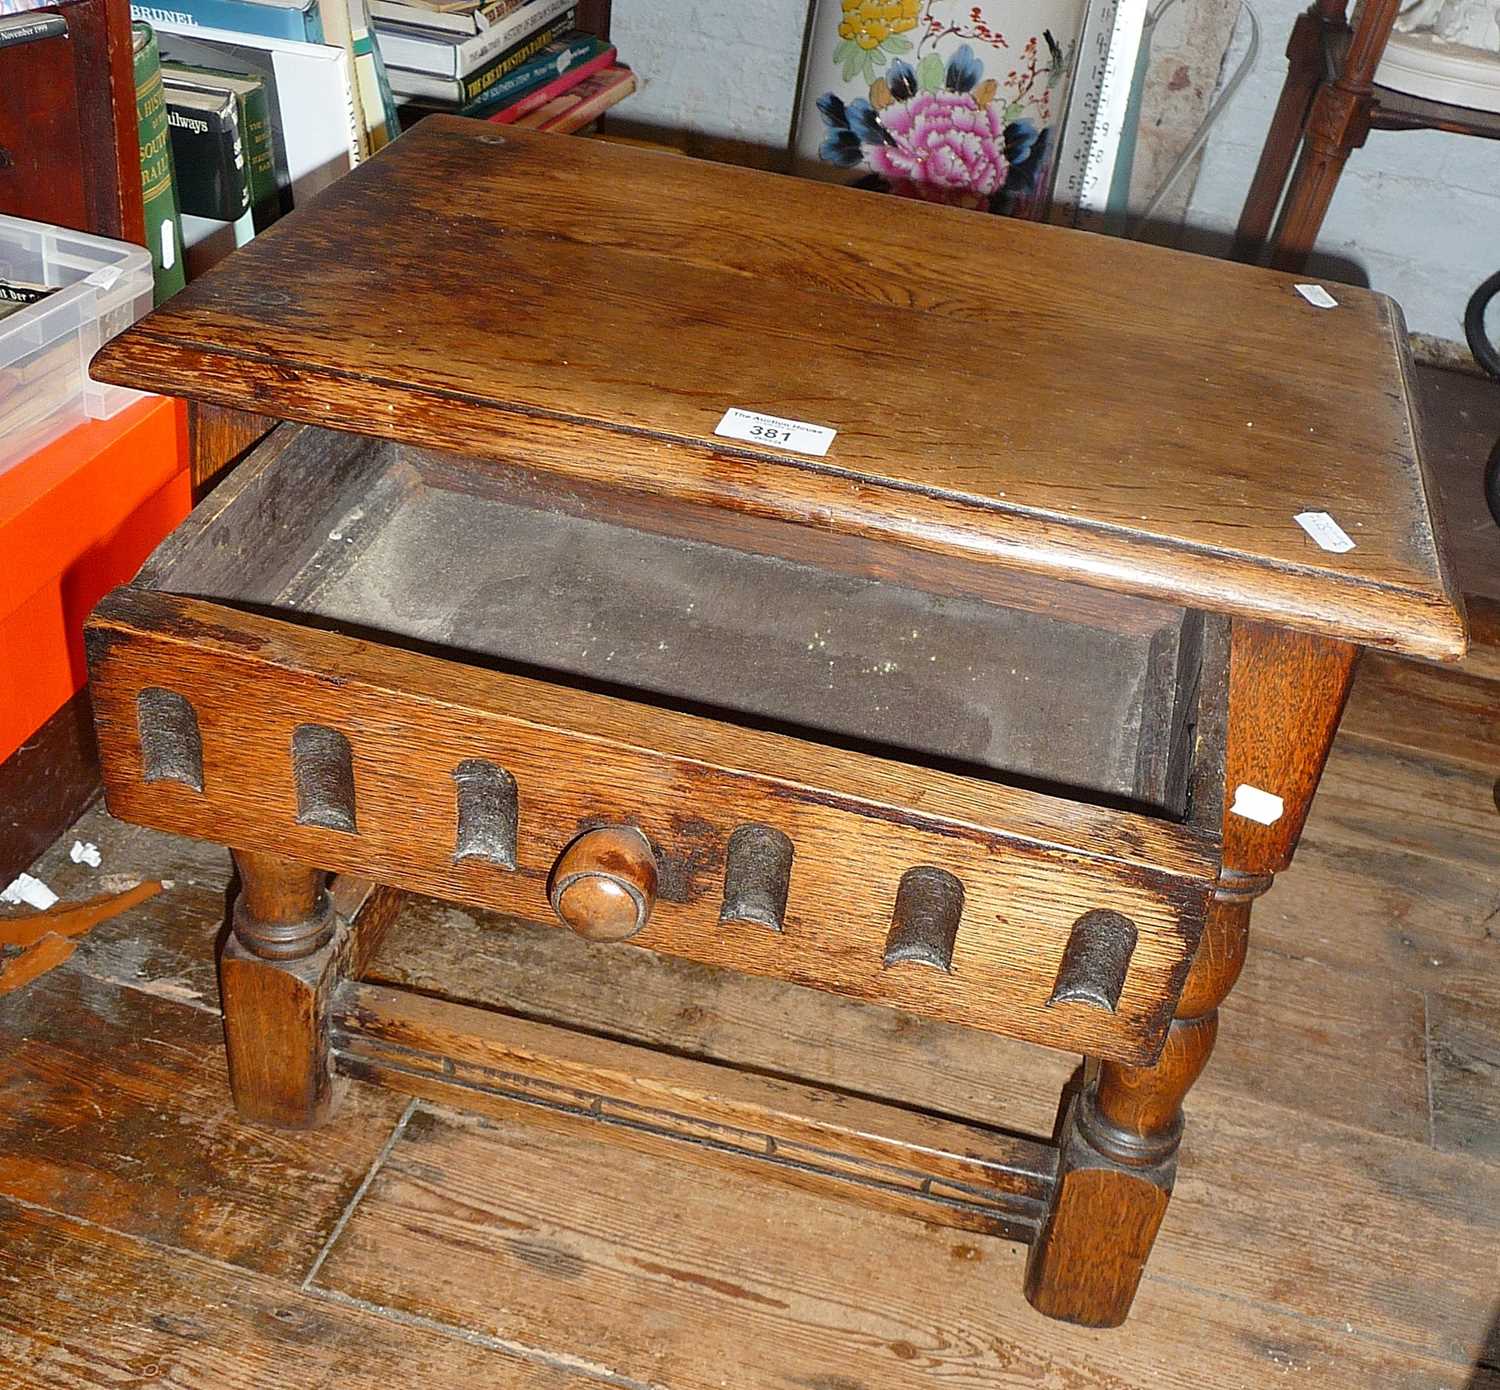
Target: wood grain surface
1030,864
91,1306
802,1292
1316,1238
217,438
1033,397
103,1090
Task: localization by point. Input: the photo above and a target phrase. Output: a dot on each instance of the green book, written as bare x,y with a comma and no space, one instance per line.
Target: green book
254,104
158,180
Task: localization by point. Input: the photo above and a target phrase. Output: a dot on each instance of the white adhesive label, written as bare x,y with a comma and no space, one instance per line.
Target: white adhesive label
29,892
1317,296
775,432
1252,803
104,277
1325,531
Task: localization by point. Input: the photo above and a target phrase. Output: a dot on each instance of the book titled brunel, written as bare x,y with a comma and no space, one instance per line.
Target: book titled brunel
273,19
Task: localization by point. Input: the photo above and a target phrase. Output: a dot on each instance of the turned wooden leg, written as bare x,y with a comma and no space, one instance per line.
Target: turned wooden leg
1304,53
1338,122
1120,1137
288,948
1321,165
1118,1150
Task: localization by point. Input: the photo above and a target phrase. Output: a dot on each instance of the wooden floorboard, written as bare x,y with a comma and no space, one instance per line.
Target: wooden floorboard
1452,715
1336,1221
85,1307
1463,1042
791,1292
117,1111
1364,909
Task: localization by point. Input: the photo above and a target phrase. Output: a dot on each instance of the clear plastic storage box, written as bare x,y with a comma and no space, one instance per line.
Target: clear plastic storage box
45,347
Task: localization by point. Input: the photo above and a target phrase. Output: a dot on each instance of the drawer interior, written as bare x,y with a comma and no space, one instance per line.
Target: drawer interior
1034,683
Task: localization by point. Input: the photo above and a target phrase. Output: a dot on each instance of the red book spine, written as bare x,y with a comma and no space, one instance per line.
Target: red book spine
523,106
588,100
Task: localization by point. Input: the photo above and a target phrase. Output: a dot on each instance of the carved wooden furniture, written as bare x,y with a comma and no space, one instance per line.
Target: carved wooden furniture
68,146
1329,104
946,719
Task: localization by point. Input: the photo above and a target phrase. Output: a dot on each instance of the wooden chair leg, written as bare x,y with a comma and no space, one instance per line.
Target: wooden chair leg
1304,52
291,942
1338,122
1120,1138
1319,169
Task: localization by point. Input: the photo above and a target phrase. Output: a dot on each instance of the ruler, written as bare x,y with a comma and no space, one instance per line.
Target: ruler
1104,70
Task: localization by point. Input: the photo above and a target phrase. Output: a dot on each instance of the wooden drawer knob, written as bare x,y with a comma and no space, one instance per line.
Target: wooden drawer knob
604,883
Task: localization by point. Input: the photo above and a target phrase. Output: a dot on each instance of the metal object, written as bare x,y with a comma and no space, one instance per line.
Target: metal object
929,904
486,813
757,877
1096,960
171,745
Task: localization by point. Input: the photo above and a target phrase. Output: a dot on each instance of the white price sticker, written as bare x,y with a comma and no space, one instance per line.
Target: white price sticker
1317,296
1265,808
1325,531
774,432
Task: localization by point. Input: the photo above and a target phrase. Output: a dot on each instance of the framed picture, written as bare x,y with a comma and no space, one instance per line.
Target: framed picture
1010,106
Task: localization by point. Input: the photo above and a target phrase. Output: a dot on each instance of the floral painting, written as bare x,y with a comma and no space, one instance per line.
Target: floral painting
944,111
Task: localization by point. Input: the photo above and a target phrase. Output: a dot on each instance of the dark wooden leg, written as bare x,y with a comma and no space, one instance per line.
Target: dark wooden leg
1325,151
1121,1134
288,948
1338,122
1304,53
218,438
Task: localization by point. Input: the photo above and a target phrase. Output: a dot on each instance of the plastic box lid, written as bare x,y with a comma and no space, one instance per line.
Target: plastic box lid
103,287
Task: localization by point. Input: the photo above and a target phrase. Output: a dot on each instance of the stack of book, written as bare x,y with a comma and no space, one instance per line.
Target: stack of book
500,59
248,107
220,126
245,108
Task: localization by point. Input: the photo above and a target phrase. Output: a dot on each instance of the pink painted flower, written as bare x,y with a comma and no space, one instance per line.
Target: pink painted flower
942,146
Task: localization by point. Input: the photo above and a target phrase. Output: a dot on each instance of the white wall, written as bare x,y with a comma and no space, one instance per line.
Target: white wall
719,77
1416,214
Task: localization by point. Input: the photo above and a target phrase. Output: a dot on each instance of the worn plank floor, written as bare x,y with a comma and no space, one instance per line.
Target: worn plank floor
1336,1222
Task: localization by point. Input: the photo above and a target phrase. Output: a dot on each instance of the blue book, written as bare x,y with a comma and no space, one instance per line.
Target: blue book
299,20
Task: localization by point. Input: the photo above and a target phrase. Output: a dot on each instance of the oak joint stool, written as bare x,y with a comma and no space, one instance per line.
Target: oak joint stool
950,613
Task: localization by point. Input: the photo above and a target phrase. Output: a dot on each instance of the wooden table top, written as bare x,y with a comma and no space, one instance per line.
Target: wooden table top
1048,400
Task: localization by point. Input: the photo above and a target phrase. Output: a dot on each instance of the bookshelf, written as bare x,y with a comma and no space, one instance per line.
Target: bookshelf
60,90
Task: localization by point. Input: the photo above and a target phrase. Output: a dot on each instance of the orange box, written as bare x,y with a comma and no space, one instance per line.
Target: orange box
78,517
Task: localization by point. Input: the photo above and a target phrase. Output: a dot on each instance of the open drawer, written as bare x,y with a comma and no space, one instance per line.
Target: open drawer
855,772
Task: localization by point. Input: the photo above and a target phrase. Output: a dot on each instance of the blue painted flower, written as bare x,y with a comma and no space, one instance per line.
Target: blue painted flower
901,78
841,145
1026,149
850,129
